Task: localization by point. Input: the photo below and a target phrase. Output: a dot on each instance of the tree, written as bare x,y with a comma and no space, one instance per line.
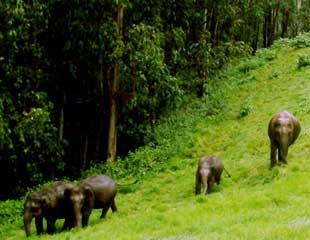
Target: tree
113,90
29,146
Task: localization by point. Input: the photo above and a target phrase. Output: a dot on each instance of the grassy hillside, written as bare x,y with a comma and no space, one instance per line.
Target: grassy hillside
256,203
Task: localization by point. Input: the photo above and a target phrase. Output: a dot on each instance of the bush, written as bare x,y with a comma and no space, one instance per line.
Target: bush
267,54
245,110
303,60
10,215
248,65
301,41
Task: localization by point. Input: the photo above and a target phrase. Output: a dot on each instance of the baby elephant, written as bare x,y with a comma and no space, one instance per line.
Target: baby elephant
209,171
283,130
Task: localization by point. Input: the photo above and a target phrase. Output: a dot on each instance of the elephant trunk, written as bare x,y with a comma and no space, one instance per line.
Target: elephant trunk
77,216
205,179
284,144
27,222
205,189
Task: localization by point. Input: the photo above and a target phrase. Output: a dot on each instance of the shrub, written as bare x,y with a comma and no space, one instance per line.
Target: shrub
248,65
245,109
301,41
10,214
303,60
267,54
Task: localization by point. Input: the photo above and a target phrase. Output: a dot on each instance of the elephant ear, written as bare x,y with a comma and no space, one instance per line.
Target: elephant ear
88,192
89,197
67,193
44,202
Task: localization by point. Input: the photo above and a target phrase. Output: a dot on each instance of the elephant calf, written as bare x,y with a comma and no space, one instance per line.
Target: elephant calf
208,172
91,193
48,203
283,130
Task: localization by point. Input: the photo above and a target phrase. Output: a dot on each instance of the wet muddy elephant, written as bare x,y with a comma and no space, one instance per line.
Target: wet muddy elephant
48,203
91,193
283,130
208,172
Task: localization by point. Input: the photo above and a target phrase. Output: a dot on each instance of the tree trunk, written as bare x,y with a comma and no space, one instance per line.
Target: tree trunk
267,26
112,135
113,86
285,22
274,22
256,37
62,118
84,150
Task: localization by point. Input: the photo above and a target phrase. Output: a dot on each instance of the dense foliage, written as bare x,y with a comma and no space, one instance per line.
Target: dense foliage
83,80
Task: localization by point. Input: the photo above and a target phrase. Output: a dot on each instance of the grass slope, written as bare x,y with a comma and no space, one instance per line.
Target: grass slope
256,203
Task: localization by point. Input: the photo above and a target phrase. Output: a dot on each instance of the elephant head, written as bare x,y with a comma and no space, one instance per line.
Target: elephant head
34,206
80,201
207,178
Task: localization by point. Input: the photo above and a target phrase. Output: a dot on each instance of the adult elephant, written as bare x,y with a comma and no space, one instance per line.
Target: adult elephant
91,193
48,203
283,130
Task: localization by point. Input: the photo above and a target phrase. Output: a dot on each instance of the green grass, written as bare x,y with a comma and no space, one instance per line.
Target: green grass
256,203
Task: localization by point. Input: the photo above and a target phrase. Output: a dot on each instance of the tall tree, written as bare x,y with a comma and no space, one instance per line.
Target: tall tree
113,89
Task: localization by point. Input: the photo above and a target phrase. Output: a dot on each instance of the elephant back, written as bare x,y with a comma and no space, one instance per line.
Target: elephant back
103,187
213,162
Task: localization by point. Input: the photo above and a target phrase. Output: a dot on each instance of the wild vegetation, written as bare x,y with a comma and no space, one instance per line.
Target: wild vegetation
230,122
86,82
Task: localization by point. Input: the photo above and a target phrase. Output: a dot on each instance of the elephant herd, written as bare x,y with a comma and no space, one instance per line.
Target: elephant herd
75,202
283,130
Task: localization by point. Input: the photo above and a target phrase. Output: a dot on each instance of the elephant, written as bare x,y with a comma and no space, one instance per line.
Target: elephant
48,203
209,171
283,130
91,193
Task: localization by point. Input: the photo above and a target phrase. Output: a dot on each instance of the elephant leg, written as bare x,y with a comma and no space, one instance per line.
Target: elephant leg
280,159
113,206
51,225
211,183
67,224
273,154
218,178
104,211
39,224
209,187
85,218
197,186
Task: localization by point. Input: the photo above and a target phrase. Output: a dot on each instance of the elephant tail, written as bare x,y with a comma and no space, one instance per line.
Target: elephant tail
228,174
127,184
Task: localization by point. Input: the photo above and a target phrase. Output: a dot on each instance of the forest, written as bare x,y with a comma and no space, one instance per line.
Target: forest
83,83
